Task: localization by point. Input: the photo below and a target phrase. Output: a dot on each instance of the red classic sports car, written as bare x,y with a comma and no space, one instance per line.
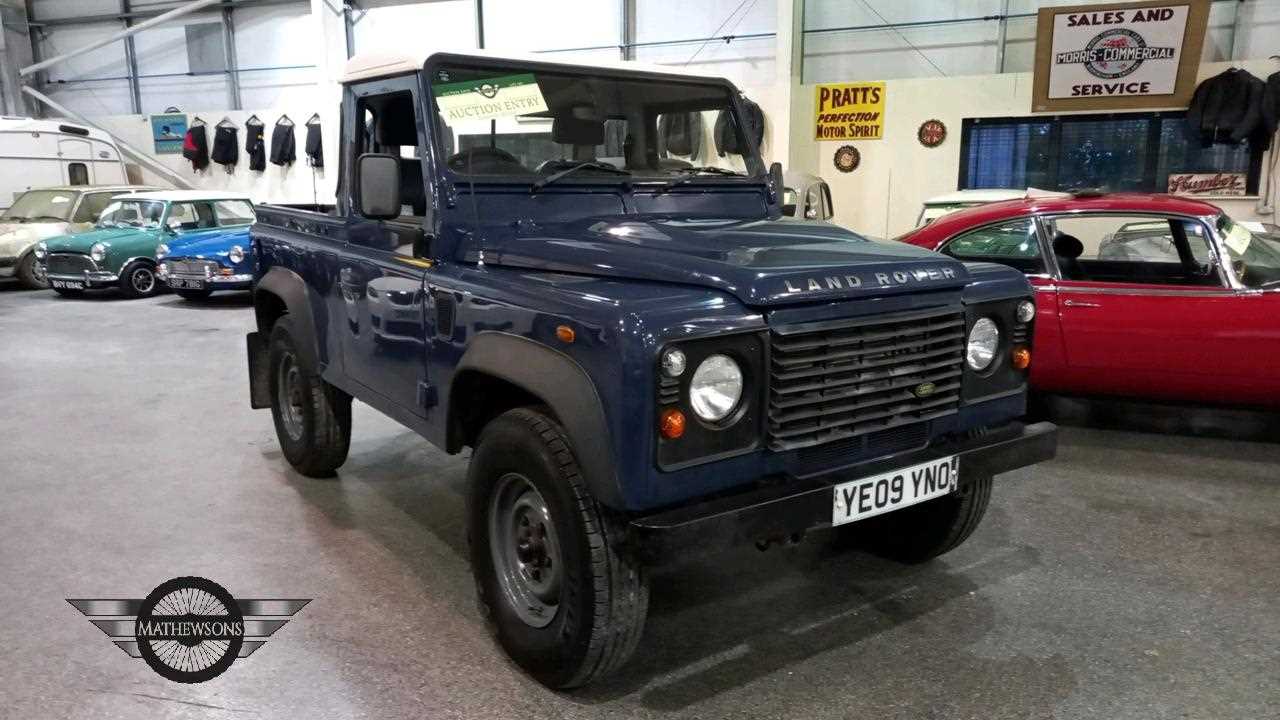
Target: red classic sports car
1146,296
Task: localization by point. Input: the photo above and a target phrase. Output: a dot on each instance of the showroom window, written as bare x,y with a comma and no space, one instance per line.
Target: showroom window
1126,151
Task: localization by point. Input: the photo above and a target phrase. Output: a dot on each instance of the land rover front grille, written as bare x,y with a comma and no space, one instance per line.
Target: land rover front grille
846,378
69,264
194,268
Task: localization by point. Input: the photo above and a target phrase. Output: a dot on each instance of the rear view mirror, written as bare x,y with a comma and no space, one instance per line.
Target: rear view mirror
378,186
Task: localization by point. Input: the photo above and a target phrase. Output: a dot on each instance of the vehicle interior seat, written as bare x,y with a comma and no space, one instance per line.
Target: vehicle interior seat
1068,249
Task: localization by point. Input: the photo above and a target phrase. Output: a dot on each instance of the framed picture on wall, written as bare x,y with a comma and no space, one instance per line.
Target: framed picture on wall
167,132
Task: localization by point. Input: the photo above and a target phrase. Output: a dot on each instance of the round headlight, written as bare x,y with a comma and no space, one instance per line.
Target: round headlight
162,251
98,252
984,338
716,388
42,251
1026,311
673,362
236,255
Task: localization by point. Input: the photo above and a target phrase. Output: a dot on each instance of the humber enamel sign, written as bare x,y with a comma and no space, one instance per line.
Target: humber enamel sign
1122,55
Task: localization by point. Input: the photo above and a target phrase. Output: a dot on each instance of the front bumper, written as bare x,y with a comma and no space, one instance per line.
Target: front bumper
93,279
788,507
216,282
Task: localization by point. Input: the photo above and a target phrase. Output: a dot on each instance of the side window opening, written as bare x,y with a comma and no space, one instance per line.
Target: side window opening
1133,249
90,207
1014,243
391,127
77,173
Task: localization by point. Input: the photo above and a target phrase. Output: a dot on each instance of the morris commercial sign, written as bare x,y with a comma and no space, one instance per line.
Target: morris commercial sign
1118,56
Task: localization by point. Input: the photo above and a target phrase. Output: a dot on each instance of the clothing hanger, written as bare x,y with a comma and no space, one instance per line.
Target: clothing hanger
314,119
284,120
226,123
253,120
197,122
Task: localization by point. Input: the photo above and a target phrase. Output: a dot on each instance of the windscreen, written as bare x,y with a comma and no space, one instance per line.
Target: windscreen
41,206
520,125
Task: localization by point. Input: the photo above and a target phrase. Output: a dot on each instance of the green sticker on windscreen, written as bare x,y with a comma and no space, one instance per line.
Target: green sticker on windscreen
505,96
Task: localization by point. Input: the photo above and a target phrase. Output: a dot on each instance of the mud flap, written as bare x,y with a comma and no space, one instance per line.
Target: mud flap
259,369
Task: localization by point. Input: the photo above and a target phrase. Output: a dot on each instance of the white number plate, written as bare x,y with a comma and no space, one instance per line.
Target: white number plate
186,284
67,284
894,490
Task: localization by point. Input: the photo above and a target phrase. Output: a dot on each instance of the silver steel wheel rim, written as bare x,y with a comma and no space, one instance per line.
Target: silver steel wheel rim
37,273
290,397
143,280
525,550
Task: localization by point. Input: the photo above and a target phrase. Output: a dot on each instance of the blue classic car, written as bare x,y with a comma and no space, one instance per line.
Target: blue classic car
210,249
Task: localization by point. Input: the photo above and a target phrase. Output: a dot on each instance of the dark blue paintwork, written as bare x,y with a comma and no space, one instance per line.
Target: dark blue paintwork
628,269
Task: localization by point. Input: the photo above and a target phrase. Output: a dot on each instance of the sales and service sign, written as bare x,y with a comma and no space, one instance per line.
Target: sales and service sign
849,111
1118,55
1212,184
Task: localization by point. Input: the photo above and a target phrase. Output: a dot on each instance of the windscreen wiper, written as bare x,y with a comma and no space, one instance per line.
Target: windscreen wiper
689,173
587,165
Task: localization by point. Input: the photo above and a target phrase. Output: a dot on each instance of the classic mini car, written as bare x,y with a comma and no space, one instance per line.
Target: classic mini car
806,196
37,215
936,207
215,254
1149,296
647,358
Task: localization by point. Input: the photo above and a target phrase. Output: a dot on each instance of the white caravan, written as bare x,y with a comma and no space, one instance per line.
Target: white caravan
47,153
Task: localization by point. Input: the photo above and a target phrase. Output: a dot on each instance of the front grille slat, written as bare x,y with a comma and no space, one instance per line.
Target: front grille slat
199,268
854,378
69,264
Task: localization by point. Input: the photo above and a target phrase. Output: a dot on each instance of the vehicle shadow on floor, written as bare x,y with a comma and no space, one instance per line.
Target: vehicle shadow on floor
1165,419
715,624
216,301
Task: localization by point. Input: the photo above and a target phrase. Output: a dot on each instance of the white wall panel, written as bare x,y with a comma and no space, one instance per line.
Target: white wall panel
416,28
551,24
276,36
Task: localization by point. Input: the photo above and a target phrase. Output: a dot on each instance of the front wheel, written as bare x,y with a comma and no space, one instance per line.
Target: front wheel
312,417
564,596
922,532
31,274
138,280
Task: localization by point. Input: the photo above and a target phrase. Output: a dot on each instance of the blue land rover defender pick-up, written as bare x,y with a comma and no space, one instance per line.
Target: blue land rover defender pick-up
583,275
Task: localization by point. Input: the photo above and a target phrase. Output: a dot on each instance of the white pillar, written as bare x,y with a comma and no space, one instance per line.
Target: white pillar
790,131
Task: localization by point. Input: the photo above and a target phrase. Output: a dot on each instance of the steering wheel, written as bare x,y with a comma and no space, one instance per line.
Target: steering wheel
459,161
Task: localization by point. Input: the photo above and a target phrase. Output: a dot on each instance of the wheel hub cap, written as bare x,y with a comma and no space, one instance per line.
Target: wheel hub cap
525,550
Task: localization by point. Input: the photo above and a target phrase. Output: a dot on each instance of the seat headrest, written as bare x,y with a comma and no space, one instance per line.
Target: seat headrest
569,130
1067,246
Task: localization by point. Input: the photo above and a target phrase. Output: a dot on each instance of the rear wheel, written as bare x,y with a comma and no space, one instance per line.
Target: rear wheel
30,273
925,531
564,596
138,280
312,417
195,294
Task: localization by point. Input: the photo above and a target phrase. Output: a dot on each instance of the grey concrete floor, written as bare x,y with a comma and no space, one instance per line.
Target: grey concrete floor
1136,576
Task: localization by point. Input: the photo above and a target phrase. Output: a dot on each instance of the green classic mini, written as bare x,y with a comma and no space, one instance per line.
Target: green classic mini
121,249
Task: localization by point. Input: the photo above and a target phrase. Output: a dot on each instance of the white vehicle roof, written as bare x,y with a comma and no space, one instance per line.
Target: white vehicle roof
59,126
93,188
976,196
186,195
374,65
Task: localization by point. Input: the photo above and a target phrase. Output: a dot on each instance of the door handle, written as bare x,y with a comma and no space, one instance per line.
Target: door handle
1080,303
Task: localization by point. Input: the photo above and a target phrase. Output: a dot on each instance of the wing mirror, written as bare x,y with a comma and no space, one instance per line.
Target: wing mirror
775,182
378,186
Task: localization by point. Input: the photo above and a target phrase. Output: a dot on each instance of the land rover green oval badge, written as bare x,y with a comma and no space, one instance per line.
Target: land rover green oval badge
924,390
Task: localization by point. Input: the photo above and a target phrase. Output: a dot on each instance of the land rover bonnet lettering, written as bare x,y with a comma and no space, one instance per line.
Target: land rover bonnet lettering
882,279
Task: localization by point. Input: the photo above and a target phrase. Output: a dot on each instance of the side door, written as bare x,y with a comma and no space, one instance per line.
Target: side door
1018,243
1142,302
382,275
77,162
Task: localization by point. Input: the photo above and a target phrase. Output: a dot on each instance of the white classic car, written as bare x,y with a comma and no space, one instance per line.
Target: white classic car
37,215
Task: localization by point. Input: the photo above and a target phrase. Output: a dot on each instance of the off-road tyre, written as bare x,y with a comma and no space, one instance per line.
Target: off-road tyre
29,274
138,279
922,532
603,591
315,430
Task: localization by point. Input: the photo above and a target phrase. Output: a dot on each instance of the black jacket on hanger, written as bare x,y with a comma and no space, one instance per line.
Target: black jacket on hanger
1271,104
314,146
226,146
1227,108
255,146
283,148
727,139
195,147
